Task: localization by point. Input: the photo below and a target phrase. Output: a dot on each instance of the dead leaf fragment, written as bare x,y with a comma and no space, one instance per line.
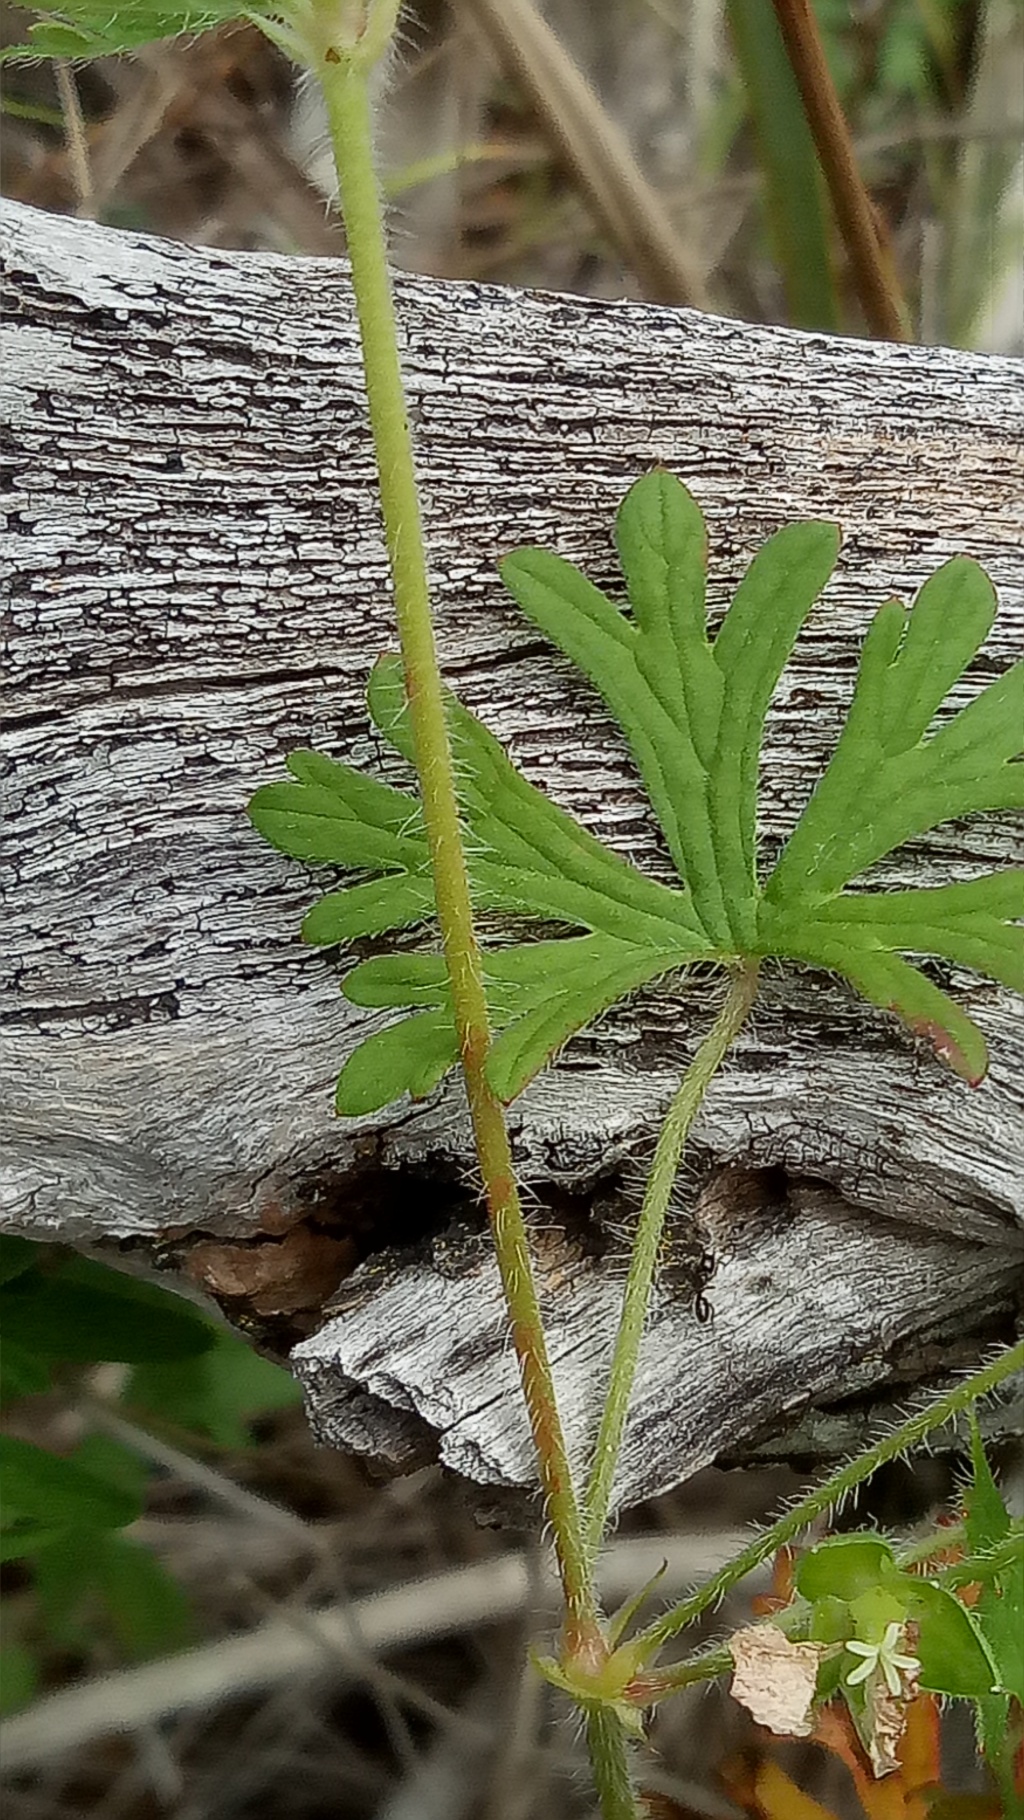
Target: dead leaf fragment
278,1277
882,1723
883,1735
775,1679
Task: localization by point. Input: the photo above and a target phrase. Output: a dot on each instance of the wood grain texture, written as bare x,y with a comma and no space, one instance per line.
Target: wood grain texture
196,584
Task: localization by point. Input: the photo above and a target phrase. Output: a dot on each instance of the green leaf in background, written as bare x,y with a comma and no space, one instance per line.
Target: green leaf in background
23,1537
16,1256
19,1668
59,1492
62,1578
844,1568
219,1394
79,1310
116,1464
794,191
149,1612
918,54
79,1564
693,711
92,1578
23,1373
48,1499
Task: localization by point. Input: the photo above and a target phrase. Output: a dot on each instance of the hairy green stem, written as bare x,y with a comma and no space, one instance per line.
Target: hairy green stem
711,1663
609,1757
935,1543
646,1244
346,95
908,1435
978,1568
707,1666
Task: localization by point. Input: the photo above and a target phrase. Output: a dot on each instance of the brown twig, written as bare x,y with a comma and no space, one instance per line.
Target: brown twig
874,278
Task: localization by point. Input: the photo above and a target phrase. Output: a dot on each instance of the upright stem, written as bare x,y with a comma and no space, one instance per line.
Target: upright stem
609,1757
870,265
346,96
644,1257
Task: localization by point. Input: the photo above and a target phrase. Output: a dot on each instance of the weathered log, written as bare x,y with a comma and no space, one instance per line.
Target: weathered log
197,584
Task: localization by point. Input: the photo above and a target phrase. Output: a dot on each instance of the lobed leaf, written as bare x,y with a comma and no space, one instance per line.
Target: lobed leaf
408,1057
692,712
538,994
336,816
885,781
692,709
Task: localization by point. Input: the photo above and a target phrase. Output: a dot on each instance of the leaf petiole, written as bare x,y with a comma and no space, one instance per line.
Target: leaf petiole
644,1255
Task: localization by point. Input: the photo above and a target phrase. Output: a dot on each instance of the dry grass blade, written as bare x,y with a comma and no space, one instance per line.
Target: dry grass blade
624,204
220,103
75,138
444,1784
290,1646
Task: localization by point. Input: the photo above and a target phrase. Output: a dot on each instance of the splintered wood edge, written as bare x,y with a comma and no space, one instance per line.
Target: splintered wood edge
817,1307
197,584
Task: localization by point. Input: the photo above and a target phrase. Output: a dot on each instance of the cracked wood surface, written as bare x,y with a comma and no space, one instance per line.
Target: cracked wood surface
196,584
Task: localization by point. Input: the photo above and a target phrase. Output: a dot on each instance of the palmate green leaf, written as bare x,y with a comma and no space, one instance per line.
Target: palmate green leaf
693,713
692,709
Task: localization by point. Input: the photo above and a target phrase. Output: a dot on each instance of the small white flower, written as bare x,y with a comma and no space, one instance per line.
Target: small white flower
883,1658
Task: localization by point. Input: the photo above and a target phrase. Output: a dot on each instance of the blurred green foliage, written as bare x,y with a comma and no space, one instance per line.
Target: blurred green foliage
84,1581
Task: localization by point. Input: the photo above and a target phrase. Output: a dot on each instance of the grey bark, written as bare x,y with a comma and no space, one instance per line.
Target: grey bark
197,584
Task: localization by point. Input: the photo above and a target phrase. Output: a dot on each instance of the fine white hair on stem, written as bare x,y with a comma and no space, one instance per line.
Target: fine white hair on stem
309,135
